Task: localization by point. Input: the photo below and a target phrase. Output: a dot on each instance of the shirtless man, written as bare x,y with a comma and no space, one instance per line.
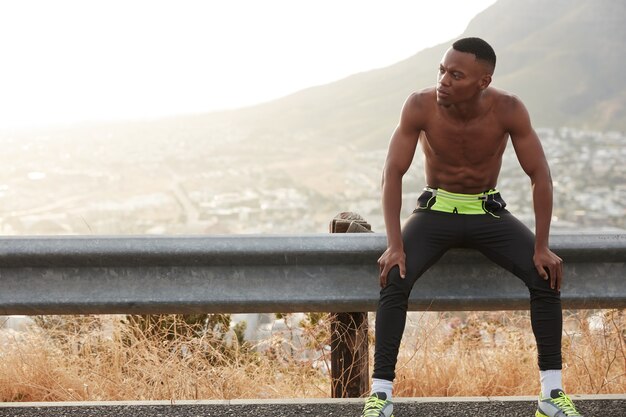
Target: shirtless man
463,126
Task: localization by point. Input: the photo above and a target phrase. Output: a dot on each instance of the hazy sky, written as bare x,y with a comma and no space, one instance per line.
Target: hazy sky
66,61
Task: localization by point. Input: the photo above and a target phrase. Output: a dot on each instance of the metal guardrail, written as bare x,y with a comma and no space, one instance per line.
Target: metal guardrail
276,273
292,273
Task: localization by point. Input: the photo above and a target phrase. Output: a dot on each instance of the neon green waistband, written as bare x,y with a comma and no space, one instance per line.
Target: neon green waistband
457,203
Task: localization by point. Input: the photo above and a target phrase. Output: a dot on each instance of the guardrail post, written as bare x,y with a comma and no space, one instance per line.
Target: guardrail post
349,331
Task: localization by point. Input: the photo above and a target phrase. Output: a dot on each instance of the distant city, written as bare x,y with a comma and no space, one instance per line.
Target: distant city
107,184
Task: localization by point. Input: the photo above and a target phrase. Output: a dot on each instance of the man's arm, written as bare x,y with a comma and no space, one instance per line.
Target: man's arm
399,156
533,161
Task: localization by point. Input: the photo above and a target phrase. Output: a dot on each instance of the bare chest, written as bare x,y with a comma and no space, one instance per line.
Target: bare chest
464,143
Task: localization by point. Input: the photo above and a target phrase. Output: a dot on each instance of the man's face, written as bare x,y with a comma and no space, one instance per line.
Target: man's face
461,77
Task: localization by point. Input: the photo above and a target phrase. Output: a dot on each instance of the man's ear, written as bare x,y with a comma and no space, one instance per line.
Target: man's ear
485,81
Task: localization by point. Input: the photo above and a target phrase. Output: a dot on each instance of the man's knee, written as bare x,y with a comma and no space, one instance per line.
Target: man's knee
540,291
397,288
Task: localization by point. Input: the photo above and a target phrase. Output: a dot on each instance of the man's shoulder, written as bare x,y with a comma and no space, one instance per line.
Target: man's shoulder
422,98
425,94
508,108
417,109
503,98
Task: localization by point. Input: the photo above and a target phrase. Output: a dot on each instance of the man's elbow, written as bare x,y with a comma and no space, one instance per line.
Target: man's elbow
541,177
390,175
537,169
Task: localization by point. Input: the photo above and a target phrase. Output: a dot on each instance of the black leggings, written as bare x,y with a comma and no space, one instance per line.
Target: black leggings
427,235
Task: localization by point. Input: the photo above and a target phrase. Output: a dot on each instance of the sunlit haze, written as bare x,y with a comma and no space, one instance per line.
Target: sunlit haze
69,61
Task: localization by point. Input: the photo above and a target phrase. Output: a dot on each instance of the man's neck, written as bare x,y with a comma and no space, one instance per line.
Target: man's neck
467,110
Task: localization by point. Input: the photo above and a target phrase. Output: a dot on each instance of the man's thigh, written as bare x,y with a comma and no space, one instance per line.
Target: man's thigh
507,242
427,235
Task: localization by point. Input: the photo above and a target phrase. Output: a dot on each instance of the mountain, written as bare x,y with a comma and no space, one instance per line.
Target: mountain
564,58
290,165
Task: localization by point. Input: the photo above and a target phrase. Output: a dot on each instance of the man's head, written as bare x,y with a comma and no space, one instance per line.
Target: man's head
465,71
480,49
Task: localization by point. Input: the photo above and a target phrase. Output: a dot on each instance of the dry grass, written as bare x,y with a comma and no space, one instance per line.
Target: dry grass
105,358
96,359
492,354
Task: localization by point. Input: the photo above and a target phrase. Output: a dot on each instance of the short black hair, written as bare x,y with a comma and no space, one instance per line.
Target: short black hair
481,49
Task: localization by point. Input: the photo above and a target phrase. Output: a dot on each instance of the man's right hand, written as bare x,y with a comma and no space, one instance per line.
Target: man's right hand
390,258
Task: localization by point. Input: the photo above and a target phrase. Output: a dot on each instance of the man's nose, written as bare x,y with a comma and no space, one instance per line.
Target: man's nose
444,79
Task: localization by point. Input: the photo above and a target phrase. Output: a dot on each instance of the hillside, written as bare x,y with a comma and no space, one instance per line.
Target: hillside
290,165
563,58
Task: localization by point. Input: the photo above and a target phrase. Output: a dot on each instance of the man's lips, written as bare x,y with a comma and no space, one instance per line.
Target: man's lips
443,93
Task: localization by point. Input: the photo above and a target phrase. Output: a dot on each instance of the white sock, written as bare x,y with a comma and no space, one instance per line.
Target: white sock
382,385
550,379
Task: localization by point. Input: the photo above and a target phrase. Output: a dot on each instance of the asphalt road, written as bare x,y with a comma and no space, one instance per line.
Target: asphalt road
510,408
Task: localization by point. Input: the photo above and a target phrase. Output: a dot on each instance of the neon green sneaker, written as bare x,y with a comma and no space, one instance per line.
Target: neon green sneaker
558,405
377,405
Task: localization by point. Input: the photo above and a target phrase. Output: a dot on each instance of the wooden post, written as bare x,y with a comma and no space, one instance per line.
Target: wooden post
349,337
